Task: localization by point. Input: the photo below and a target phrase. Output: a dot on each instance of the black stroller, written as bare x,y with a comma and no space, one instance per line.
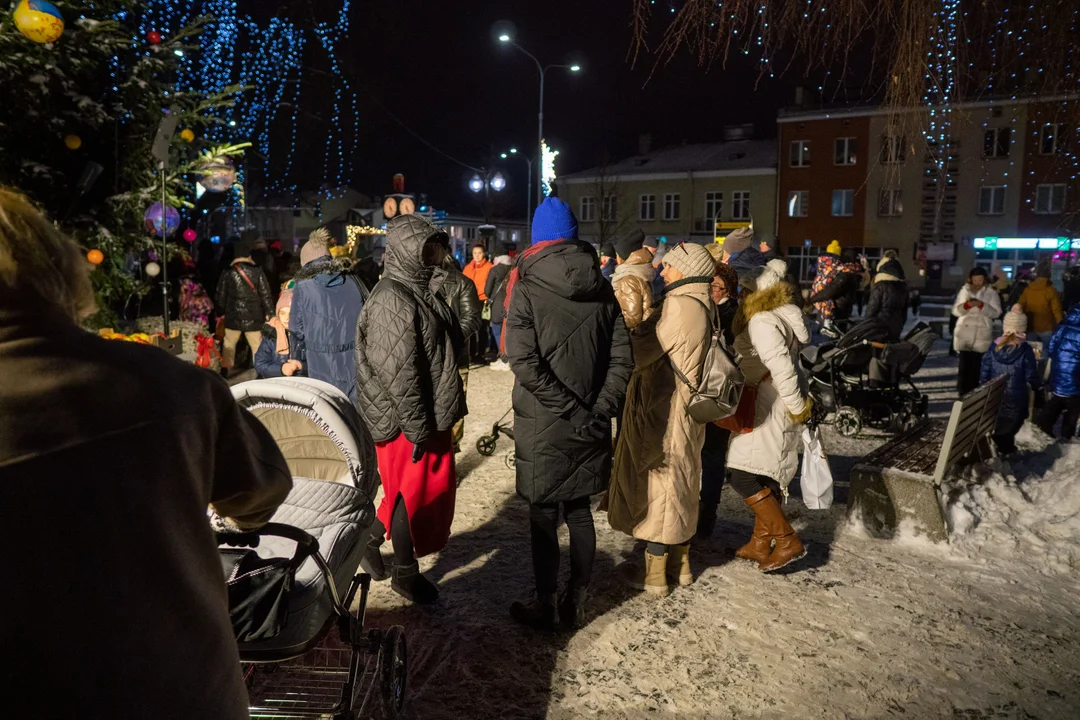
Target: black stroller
864,381
486,444
286,579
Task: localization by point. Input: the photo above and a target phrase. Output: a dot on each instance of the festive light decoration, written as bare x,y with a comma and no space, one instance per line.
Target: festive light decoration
153,37
547,167
72,142
217,175
153,269
38,20
187,135
95,257
190,235
353,232
152,218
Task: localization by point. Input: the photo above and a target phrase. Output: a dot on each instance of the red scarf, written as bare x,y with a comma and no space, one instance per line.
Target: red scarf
515,274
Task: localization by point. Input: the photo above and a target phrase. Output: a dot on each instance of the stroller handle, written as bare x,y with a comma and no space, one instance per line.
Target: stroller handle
306,544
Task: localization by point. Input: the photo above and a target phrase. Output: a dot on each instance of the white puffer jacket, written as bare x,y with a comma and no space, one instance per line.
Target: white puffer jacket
769,346
975,327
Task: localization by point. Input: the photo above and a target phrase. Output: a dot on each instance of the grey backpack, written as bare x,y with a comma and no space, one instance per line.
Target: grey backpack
718,392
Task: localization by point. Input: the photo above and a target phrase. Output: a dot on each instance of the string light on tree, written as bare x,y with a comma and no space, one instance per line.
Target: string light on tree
547,167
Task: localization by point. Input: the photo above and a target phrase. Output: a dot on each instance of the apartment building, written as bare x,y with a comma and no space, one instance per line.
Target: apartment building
1001,192
678,194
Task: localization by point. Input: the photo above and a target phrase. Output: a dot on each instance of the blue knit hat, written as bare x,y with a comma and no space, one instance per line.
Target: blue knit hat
554,220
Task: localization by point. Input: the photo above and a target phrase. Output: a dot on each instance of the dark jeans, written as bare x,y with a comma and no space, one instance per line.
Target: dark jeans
496,336
713,458
952,333
1053,409
748,484
481,341
1005,434
967,377
543,526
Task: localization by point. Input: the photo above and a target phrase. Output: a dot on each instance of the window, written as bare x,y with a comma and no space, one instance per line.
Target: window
740,205
992,200
800,153
892,149
610,209
843,203
470,233
996,142
891,202
671,206
798,203
714,204
1052,139
588,208
845,151
1050,199
647,208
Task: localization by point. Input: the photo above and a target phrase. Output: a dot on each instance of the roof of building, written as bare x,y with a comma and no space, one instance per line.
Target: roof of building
732,155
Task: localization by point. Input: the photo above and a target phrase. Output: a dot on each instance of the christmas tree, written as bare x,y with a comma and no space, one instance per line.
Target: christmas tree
78,117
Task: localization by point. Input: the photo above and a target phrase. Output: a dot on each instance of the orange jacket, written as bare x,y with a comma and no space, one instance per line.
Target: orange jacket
1042,306
478,274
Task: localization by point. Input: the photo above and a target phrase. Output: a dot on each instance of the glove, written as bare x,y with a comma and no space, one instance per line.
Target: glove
417,452
595,428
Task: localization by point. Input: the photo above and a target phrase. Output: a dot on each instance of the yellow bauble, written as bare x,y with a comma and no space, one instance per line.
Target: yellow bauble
73,142
40,21
187,135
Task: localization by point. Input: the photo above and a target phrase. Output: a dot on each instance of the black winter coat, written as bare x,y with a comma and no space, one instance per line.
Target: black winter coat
841,290
570,353
889,303
495,289
459,292
407,343
245,308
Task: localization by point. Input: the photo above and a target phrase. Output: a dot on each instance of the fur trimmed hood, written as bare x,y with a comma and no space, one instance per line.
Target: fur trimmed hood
325,265
772,298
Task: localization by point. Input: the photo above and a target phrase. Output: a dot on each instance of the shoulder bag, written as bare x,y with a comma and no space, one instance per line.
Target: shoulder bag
719,392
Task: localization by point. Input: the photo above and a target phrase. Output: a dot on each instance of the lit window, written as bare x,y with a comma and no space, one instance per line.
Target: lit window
891,202
992,200
647,208
800,153
588,208
1052,139
1050,199
843,203
671,206
798,204
845,151
740,205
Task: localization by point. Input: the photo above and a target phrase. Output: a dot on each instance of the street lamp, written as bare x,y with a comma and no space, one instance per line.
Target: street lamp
528,195
476,184
542,69
492,180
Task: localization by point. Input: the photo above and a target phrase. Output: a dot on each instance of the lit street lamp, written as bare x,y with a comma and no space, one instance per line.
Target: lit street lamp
542,69
492,180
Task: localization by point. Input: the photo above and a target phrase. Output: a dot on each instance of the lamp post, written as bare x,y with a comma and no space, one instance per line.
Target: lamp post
528,195
492,180
542,69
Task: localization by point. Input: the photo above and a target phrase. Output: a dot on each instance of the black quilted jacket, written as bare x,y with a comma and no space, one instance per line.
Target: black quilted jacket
244,308
459,292
570,353
407,342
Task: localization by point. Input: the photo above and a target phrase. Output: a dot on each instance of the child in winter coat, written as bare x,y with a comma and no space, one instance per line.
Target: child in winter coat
1013,357
1064,378
272,357
977,306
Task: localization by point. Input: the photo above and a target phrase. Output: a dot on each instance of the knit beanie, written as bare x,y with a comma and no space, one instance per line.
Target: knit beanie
1015,321
284,301
768,240
554,220
691,260
317,246
608,250
833,248
738,241
629,243
764,277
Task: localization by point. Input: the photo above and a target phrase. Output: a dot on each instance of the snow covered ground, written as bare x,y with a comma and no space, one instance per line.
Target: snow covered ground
986,627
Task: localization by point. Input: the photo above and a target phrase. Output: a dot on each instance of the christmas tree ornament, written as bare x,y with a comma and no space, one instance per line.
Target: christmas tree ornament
153,37
73,142
39,20
152,218
190,235
153,269
217,174
187,135
95,257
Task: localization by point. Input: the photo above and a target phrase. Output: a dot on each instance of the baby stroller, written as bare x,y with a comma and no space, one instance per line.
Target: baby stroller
486,444
864,381
286,580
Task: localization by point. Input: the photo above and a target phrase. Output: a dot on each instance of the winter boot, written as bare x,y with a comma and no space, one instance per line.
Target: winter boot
411,585
678,565
572,609
757,550
652,578
538,613
787,547
372,562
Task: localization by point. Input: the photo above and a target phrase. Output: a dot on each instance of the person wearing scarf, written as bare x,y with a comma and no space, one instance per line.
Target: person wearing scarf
1013,357
272,357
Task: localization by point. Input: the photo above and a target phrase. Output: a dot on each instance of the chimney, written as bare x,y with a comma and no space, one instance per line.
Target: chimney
800,96
644,143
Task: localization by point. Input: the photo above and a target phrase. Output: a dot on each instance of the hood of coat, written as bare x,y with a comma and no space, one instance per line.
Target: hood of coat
889,269
778,299
641,256
405,239
502,260
1007,353
569,269
644,270
886,277
324,265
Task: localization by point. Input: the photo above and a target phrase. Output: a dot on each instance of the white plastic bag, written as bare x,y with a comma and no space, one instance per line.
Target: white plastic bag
817,480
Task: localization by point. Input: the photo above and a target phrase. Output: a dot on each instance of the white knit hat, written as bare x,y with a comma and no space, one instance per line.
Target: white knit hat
1015,322
691,260
765,277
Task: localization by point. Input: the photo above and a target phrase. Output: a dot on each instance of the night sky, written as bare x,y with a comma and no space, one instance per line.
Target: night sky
441,71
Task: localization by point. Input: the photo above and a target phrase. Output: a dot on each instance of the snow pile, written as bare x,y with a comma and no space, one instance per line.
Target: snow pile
1028,507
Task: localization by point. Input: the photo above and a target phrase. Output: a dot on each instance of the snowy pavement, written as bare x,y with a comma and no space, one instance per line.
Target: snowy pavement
986,627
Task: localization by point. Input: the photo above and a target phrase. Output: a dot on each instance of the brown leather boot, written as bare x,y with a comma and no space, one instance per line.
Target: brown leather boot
787,547
757,550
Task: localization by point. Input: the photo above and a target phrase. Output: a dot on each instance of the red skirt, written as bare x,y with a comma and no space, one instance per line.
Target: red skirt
428,488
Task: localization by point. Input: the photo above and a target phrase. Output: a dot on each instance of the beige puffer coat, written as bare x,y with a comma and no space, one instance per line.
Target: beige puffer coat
632,283
656,478
768,344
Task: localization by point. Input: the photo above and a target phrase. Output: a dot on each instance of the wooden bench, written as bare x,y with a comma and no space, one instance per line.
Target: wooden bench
900,482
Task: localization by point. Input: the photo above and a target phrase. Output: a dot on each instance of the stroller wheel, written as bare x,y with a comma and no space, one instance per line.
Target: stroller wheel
486,445
510,460
848,421
394,661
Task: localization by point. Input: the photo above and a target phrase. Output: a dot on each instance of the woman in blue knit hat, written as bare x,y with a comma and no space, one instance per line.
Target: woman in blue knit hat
570,353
